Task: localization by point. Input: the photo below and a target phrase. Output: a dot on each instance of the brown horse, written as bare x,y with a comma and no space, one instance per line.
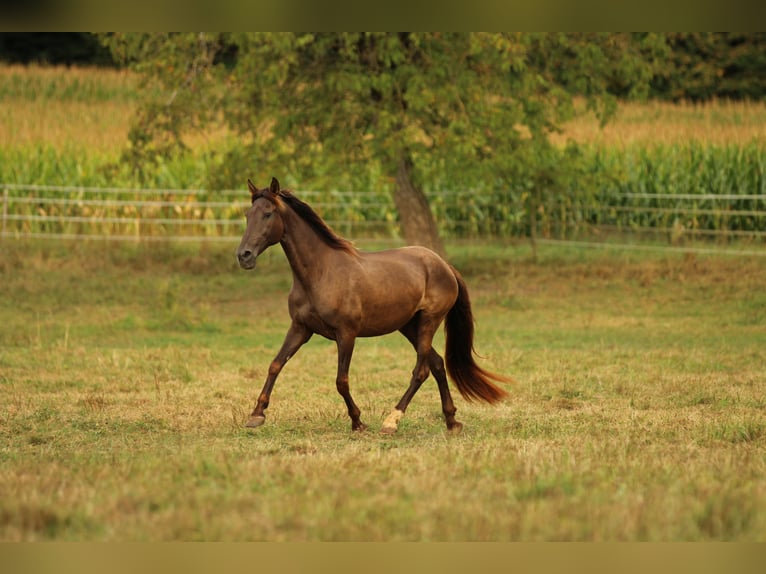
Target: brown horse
342,293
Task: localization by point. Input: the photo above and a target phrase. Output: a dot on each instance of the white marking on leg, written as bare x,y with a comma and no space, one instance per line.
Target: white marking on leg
392,421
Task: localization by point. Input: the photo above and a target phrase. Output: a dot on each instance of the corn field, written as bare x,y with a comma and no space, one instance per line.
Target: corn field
674,193
685,190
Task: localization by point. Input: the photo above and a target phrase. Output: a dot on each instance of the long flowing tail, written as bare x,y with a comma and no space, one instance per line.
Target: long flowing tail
472,381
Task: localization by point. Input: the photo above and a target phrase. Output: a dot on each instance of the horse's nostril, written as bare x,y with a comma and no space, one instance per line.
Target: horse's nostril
244,254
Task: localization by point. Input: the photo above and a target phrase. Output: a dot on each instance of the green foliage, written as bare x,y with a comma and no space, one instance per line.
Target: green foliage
671,174
181,91
705,65
332,109
682,65
588,189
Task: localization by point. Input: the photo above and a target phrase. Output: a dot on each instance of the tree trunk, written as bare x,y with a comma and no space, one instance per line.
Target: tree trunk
417,222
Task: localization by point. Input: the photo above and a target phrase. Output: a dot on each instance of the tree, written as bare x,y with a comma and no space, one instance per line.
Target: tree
57,48
706,65
471,107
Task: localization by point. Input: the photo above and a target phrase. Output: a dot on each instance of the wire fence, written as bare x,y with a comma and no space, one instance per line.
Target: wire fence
171,214
677,221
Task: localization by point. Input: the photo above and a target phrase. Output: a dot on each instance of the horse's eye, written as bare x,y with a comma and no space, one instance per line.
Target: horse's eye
268,214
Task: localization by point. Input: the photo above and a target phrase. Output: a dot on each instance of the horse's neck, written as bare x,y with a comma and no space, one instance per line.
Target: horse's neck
308,254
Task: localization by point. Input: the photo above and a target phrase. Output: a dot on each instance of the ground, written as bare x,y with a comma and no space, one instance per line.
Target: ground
127,372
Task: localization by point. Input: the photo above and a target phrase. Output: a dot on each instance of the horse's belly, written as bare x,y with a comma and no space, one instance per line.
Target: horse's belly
383,319
377,330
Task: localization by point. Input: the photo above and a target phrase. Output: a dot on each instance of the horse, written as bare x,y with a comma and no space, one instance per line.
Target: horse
342,293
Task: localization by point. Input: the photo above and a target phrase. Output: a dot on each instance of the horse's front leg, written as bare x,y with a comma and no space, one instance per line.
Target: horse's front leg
296,336
345,350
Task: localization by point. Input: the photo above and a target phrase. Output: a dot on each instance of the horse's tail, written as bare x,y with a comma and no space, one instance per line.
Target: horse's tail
472,381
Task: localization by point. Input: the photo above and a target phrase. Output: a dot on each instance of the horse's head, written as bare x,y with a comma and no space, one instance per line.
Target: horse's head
264,223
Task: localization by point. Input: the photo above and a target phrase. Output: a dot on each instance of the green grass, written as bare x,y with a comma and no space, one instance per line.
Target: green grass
126,372
63,84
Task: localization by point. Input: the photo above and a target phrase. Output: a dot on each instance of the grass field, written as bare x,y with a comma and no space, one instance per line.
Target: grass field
67,108
126,372
654,123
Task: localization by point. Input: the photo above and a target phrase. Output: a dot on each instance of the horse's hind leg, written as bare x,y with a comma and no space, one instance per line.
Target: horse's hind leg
421,336
419,374
448,407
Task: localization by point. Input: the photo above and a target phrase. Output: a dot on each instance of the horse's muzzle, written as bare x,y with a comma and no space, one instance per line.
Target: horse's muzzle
246,259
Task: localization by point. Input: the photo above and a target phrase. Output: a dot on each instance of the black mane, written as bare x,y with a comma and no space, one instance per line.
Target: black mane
307,214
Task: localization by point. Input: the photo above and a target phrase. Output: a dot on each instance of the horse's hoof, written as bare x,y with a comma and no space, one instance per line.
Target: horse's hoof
391,423
255,421
455,429
361,427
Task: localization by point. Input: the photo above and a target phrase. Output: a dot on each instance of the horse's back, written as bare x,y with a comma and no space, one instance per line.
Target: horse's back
415,263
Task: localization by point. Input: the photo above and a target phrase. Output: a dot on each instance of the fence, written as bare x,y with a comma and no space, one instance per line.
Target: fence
168,214
680,220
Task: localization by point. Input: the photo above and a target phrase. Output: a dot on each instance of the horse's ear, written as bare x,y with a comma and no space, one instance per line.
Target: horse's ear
274,187
251,187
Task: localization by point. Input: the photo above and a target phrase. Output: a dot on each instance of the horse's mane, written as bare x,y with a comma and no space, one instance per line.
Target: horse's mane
307,214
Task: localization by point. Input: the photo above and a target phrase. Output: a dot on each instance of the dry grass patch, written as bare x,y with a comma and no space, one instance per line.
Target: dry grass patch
663,123
637,413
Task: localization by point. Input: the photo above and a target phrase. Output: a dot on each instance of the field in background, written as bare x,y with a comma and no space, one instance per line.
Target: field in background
651,173
71,108
662,123
126,372
69,126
